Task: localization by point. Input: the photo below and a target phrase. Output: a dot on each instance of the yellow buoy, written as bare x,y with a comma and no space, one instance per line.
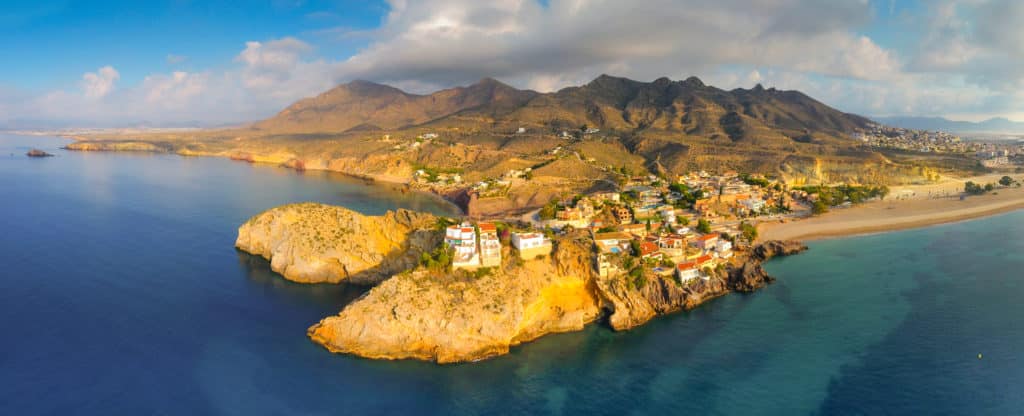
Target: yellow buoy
979,356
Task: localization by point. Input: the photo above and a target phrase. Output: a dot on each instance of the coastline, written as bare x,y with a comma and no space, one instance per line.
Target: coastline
378,179
896,215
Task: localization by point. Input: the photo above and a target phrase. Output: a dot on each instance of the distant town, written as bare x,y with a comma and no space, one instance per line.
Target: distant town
992,154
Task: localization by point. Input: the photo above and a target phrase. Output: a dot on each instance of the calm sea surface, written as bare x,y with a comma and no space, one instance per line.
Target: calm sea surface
121,293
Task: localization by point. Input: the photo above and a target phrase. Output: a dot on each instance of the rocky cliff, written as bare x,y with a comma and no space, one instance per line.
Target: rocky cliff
452,317
316,243
631,304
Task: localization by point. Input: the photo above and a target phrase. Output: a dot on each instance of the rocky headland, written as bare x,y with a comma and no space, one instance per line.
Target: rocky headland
444,316
316,243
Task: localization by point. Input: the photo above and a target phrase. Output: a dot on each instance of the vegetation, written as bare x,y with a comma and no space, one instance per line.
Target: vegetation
637,280
483,272
440,259
634,246
972,188
838,195
819,207
755,181
703,226
547,212
748,231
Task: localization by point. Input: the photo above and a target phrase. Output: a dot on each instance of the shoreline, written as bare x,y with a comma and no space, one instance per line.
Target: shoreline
878,217
380,180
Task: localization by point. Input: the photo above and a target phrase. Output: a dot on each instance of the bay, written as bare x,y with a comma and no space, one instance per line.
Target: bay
121,293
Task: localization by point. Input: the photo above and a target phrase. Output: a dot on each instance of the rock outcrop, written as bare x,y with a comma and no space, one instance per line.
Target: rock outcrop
452,317
37,153
316,243
750,275
630,304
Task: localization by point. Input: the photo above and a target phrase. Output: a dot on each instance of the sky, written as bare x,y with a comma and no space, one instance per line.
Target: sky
208,63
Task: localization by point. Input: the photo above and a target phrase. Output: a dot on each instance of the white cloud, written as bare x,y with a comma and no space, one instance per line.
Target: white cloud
457,41
966,54
100,83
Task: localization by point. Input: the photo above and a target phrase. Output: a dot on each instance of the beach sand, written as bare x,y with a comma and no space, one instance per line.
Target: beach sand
916,206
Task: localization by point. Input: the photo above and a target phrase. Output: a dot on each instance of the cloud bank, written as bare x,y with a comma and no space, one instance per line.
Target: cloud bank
963,60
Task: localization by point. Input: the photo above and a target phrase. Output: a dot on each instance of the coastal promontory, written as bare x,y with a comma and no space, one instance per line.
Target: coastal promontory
316,243
422,307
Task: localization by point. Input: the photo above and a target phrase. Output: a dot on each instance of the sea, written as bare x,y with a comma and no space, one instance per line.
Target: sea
121,293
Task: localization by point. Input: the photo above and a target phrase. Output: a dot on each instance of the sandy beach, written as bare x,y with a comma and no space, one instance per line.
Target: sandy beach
906,207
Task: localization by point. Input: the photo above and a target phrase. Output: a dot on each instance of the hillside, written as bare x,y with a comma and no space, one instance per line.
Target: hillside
575,140
363,105
687,107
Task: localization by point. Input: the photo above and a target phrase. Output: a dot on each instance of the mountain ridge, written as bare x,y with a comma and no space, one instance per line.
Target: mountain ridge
607,102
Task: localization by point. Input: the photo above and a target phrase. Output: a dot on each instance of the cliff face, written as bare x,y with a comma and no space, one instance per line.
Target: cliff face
316,243
453,317
630,305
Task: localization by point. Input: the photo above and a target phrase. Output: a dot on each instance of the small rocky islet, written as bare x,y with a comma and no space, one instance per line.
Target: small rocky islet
37,153
416,311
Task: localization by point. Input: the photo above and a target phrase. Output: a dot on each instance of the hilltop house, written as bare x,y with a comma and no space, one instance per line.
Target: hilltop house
490,247
672,245
613,243
639,230
462,239
649,250
531,245
723,249
623,215
687,271
706,242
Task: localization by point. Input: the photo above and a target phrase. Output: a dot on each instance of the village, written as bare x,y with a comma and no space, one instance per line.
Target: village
684,229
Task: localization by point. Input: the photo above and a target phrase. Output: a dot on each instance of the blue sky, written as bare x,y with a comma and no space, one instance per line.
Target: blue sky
56,42
205,63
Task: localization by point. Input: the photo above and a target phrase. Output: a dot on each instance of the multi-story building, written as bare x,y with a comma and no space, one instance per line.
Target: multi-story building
531,245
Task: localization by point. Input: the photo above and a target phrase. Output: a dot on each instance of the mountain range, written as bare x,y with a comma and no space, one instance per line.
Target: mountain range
689,107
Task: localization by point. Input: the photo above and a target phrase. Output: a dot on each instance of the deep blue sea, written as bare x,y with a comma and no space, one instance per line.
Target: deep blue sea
121,293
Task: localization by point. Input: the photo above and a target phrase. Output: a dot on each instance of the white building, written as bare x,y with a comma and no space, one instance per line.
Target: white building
531,245
490,246
687,272
753,204
462,240
723,249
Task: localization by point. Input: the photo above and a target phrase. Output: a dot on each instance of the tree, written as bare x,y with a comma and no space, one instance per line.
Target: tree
547,212
819,207
749,231
972,188
1006,181
989,187
703,226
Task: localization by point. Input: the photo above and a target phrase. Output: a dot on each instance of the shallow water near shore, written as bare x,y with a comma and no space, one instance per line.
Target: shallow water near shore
121,293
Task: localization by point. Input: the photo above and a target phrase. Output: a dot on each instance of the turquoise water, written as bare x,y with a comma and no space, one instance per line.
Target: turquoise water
121,294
